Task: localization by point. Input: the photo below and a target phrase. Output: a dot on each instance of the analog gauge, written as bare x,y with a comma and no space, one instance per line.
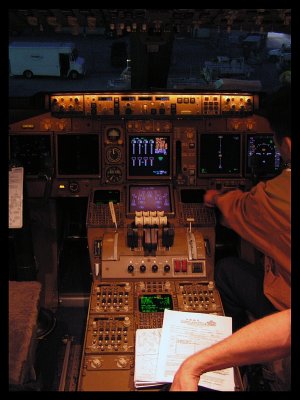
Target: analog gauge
113,135
74,187
113,154
113,174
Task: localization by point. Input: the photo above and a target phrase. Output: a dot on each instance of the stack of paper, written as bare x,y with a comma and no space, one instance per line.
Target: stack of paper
159,352
15,194
146,356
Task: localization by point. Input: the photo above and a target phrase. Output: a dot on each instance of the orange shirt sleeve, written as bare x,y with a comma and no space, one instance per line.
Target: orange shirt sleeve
260,216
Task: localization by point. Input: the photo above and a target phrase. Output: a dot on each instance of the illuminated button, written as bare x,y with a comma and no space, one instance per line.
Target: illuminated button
177,265
184,266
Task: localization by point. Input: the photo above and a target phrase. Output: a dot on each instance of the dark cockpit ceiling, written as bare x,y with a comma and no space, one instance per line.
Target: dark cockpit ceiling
131,20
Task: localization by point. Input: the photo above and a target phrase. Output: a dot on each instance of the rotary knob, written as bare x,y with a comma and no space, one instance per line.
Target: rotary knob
167,285
154,268
167,268
127,287
143,268
130,268
122,362
96,363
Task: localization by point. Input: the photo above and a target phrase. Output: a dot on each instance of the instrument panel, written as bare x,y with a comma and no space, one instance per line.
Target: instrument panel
82,148
117,309
156,104
144,162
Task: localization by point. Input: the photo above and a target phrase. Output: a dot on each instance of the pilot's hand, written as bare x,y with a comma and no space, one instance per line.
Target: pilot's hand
185,379
210,197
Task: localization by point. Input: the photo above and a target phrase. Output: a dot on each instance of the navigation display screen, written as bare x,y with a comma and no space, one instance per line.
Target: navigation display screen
78,154
262,155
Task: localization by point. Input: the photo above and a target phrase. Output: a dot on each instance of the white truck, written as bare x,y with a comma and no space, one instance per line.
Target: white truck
45,59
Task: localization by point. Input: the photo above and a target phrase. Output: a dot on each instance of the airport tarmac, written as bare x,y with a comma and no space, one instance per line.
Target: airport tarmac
188,58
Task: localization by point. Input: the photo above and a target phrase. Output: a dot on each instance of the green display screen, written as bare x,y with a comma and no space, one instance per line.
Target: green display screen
150,303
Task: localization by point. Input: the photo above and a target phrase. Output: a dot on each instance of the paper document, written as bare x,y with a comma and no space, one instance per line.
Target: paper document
185,333
146,356
159,352
15,193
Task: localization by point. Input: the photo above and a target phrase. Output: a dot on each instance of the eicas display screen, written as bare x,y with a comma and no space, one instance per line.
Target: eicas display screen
78,154
151,303
149,156
220,154
262,156
150,198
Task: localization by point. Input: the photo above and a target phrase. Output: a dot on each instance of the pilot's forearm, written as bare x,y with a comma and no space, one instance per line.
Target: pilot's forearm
263,340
